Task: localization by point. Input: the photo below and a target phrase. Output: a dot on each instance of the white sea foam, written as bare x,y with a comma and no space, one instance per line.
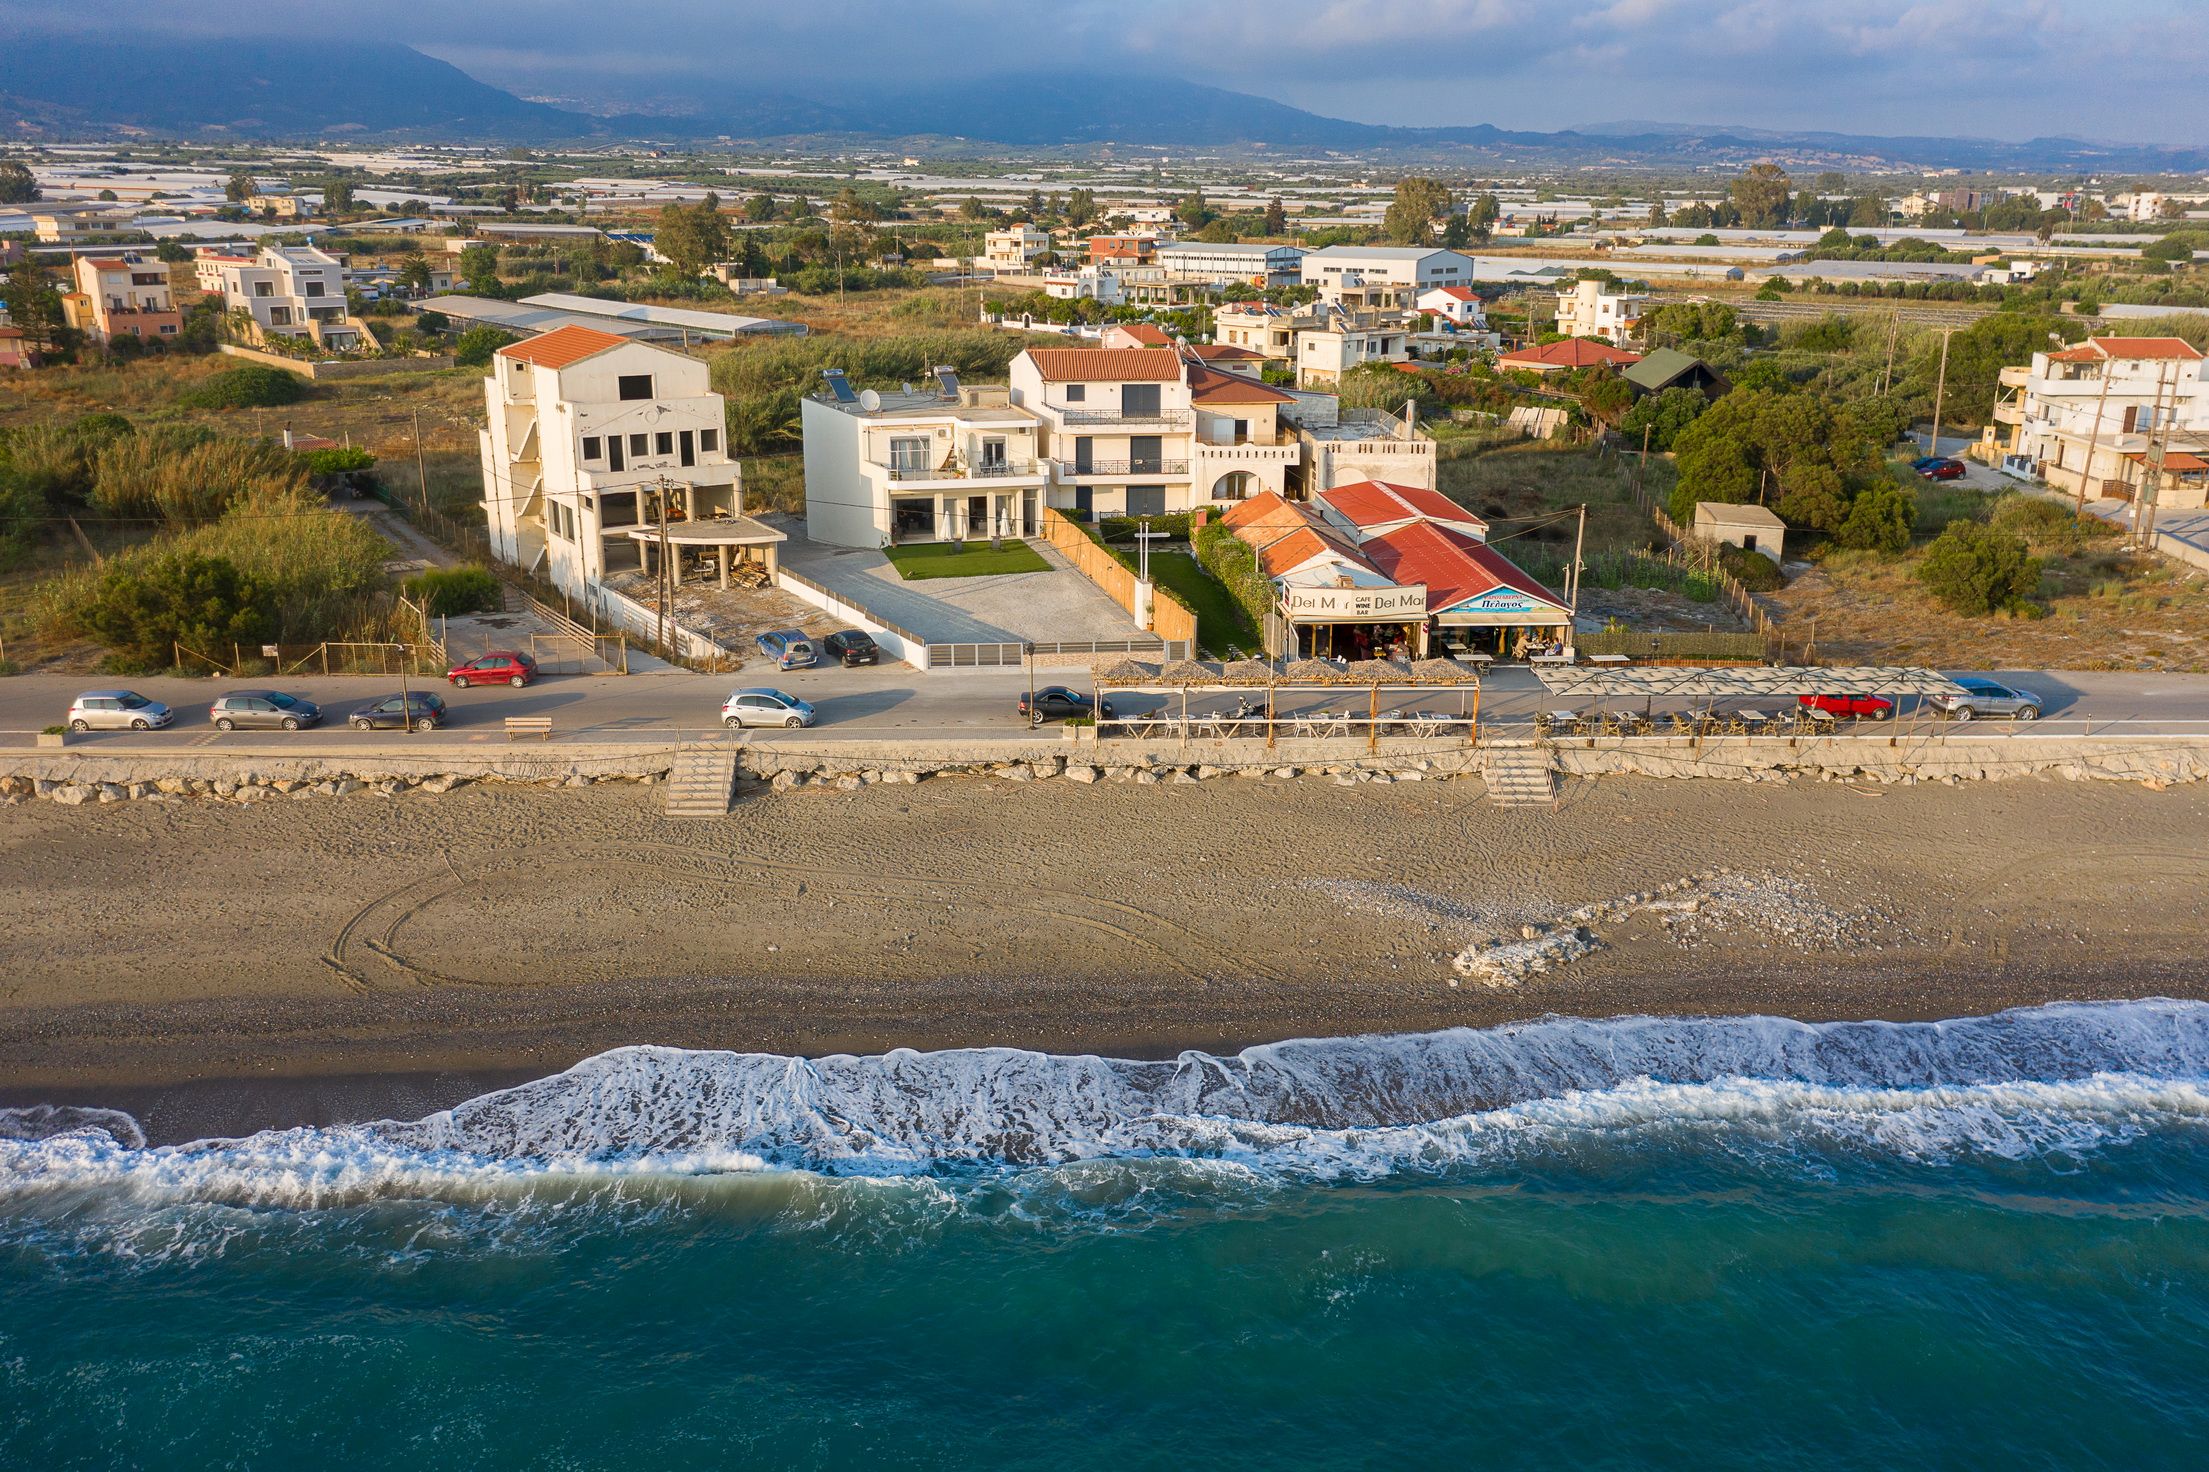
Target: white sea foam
2063,1080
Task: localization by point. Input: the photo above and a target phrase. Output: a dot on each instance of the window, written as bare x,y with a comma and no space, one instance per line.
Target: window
314,288
590,447
279,316
638,444
264,288
1077,393
634,386
663,443
689,442
709,440
909,454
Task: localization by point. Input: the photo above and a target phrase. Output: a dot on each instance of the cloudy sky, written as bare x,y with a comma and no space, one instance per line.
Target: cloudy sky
1989,68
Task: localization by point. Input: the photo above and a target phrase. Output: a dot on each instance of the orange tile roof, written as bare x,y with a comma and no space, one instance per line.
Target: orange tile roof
103,263
2178,461
1369,503
1571,352
1145,332
1213,386
1220,352
1106,365
562,346
2147,347
1462,293
1265,507
1453,567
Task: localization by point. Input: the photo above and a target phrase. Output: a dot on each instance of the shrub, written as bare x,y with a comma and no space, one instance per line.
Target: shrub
1880,519
247,386
1758,573
344,460
473,348
2045,524
445,591
1174,524
186,475
432,322
1662,416
1976,570
142,610
1227,557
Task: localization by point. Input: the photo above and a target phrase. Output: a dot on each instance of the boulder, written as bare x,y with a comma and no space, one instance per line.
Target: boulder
1082,773
72,795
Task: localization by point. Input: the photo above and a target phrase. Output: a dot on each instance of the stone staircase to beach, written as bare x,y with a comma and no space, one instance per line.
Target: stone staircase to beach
702,783
1519,777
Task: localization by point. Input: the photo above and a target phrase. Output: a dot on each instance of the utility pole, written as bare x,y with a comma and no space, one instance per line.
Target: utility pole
663,586
421,467
1641,470
1894,331
2094,439
1579,539
2151,466
1940,388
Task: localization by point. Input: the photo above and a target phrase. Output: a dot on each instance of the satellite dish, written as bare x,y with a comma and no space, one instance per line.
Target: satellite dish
870,401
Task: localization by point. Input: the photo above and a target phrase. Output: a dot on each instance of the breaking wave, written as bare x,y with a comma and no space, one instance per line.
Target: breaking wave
2060,1081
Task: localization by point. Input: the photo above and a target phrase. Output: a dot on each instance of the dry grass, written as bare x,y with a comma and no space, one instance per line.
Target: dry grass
1518,487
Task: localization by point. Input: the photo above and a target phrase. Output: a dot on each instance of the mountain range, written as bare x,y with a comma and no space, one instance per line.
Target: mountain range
265,90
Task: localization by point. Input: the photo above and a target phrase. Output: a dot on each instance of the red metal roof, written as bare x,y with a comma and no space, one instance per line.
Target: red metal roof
1454,567
562,346
1371,503
1106,365
1571,352
1462,293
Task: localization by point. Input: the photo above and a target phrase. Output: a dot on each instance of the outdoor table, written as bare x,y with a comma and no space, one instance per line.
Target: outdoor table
1479,659
1607,659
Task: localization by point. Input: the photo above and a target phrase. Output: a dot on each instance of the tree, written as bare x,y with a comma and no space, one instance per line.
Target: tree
1277,217
1879,519
473,348
1081,207
143,612
337,196
18,185
760,208
1663,416
34,306
1791,451
1656,213
414,271
1760,193
1481,216
1192,211
171,252
479,266
240,188
1419,202
1976,570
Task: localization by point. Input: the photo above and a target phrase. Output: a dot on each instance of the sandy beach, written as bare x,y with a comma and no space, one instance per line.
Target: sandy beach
215,968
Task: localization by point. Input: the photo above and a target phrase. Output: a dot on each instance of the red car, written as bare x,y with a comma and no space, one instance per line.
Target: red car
499,667
1943,470
1854,707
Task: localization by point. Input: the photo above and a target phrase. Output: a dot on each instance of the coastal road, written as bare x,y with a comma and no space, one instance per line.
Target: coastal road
891,701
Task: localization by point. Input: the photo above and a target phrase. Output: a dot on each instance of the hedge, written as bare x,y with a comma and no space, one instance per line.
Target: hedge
1227,557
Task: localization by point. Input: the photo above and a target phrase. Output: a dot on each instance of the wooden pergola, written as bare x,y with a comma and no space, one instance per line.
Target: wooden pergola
1301,678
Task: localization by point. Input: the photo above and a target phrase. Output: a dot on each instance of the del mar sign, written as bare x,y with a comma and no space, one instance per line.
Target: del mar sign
1395,603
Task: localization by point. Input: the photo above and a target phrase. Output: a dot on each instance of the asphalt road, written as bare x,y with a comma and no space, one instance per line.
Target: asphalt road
893,701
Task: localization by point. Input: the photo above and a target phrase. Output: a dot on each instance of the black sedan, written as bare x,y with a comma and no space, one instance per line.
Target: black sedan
424,710
852,647
1058,703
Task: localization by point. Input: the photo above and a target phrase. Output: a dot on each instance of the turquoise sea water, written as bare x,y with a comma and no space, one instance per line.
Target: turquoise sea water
1630,1243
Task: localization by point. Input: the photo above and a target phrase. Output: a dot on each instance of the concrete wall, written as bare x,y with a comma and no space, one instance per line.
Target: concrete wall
895,642
336,368
839,505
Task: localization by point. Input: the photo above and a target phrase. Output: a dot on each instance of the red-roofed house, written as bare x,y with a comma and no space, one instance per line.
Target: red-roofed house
1460,305
1477,599
1372,508
1567,356
2090,413
583,427
15,349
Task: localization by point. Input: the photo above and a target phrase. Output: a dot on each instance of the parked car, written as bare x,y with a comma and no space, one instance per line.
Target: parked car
117,710
1851,707
424,710
790,649
1985,697
1943,469
852,647
1924,460
1058,703
272,708
762,705
499,667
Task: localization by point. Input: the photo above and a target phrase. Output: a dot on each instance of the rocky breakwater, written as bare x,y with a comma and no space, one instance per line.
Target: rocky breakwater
1944,757
251,787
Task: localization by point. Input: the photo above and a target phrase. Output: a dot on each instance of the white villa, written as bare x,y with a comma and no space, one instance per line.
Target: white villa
2090,412
1589,309
289,291
591,438
1409,266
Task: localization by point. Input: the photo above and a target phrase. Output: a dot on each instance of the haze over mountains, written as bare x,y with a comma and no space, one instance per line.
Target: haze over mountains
262,89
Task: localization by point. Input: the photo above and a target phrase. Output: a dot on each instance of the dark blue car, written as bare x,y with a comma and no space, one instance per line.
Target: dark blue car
424,710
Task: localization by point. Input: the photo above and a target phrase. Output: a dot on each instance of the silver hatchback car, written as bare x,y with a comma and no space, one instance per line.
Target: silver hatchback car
117,710
271,708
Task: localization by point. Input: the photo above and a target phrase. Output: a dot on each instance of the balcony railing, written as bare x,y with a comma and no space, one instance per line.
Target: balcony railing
1122,468
980,470
1076,418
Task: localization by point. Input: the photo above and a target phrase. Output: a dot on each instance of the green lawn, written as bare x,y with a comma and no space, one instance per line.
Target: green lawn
1222,623
975,559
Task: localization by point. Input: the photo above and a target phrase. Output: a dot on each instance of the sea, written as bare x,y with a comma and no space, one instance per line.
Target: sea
1639,1242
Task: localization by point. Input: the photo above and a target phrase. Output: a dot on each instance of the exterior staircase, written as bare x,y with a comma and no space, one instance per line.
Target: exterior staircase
702,783
1519,777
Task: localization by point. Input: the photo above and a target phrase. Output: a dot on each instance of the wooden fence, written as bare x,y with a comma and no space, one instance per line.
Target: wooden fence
1686,550
1171,619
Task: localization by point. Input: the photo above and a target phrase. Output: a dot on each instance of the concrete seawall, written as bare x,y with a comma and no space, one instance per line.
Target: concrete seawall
256,773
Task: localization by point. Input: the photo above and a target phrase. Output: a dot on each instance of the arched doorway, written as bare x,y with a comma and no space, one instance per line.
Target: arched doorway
1236,485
